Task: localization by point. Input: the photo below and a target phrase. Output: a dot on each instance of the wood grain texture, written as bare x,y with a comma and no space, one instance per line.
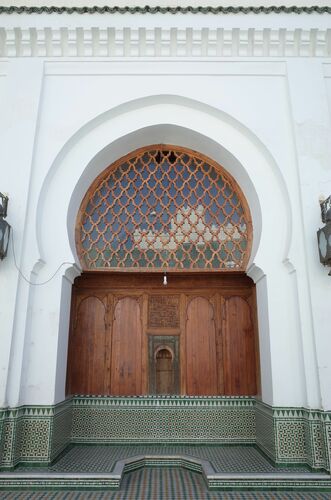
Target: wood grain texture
201,373
87,349
239,347
164,372
217,333
126,348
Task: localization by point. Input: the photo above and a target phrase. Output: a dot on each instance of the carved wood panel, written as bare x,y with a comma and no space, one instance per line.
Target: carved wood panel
163,311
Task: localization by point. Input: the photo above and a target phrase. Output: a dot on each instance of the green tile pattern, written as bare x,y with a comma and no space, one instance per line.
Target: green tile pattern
290,439
101,459
32,439
163,484
8,442
38,434
327,439
61,429
163,420
265,429
294,435
34,434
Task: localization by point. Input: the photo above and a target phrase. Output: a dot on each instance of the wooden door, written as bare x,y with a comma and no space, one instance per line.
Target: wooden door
239,347
119,322
88,348
126,348
201,373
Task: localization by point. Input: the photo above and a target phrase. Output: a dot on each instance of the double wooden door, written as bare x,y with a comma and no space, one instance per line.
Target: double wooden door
130,335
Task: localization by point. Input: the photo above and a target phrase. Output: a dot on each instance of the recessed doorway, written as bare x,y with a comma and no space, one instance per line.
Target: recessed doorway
131,335
163,209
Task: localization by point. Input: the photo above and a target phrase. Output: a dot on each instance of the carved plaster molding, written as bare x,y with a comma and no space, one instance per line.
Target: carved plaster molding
164,42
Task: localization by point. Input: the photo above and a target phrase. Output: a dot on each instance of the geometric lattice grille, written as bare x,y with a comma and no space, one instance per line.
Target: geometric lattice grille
165,208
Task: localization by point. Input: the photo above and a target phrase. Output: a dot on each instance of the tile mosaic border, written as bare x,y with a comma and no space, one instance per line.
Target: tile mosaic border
164,401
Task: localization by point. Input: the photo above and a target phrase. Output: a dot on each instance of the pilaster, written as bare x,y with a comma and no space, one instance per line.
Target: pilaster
18,124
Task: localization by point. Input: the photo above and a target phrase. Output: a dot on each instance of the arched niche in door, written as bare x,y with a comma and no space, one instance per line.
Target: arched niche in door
163,353
165,374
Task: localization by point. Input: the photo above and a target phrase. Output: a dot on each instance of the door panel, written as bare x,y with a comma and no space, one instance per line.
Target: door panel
126,348
239,347
87,349
201,373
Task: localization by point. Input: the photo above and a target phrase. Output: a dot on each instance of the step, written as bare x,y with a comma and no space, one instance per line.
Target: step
214,480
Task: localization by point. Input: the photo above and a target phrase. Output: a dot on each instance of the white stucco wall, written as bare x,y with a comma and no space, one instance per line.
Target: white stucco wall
266,119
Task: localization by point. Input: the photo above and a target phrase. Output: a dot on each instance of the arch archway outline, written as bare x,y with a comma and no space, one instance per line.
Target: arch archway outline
183,122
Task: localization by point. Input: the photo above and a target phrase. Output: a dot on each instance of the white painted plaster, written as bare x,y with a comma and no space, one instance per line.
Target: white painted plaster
18,124
312,129
266,121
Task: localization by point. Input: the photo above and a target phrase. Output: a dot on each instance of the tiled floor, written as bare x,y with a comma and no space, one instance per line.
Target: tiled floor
162,484
93,458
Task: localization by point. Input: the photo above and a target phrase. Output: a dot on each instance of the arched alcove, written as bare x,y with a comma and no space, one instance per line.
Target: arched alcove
165,209
164,371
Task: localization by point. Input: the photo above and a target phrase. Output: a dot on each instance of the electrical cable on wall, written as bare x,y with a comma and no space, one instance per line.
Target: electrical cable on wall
24,277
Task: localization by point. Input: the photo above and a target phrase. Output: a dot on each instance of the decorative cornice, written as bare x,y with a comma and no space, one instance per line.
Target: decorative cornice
273,9
164,42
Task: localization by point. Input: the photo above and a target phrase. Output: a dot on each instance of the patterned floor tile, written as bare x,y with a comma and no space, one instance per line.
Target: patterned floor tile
84,458
162,484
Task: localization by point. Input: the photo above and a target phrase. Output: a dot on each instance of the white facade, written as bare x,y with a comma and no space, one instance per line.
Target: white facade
253,92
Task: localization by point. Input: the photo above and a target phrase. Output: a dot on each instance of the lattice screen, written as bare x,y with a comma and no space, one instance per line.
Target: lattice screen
164,208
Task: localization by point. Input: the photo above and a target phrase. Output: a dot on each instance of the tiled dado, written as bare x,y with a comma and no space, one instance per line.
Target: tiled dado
34,434
38,434
163,420
294,435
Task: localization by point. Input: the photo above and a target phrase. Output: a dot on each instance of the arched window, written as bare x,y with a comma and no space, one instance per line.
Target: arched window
164,208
